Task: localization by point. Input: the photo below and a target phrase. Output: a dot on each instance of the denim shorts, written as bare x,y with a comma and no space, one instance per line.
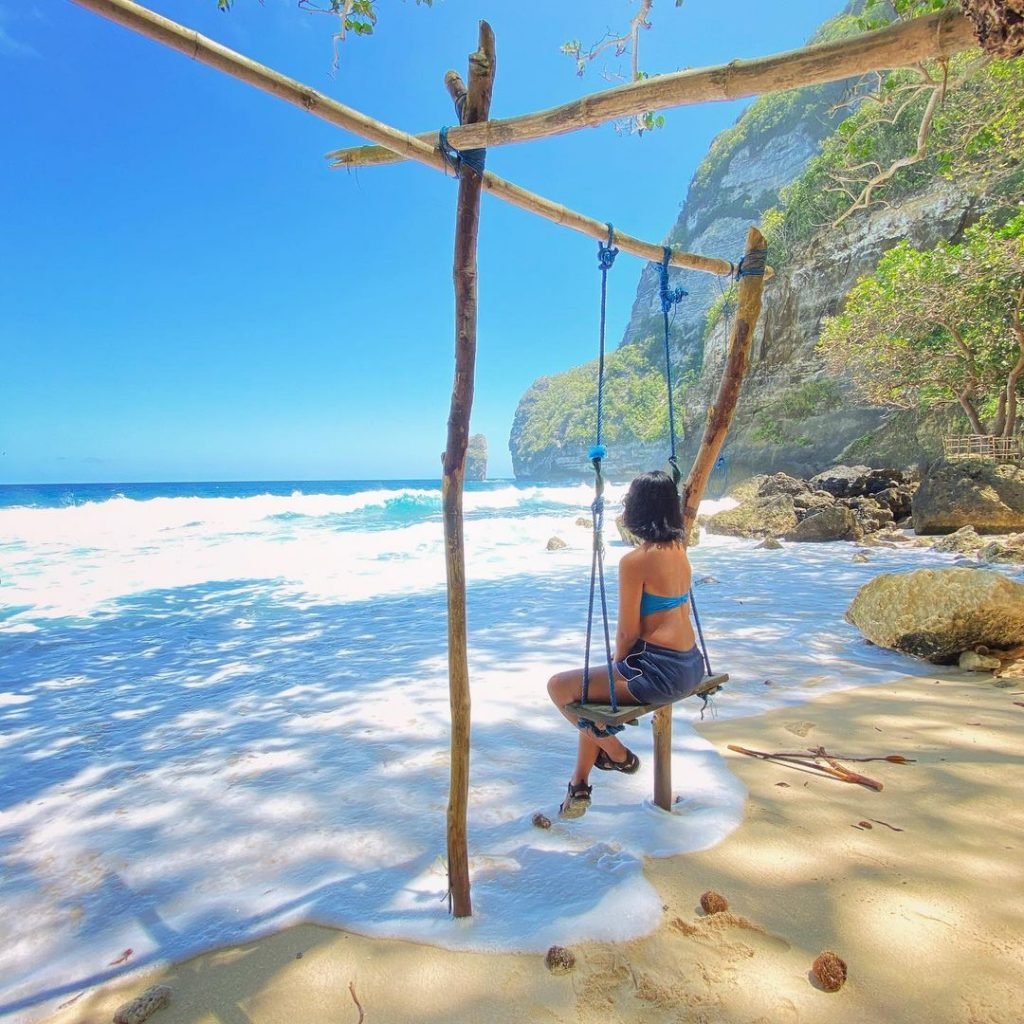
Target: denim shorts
659,675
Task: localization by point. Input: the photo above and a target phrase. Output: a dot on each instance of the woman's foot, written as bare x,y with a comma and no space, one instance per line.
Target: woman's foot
607,764
576,801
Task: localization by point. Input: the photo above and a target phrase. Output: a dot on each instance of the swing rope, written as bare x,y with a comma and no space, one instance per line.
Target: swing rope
672,297
614,718
605,258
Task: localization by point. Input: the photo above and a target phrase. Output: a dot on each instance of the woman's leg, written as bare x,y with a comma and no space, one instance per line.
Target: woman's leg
566,687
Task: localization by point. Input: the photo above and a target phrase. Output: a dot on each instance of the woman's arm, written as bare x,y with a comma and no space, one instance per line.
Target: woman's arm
631,586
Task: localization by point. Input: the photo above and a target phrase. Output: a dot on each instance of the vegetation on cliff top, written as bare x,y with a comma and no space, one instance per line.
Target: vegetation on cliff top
939,326
562,410
962,121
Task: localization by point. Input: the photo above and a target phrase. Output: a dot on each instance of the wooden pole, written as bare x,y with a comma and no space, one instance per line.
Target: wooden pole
900,45
719,418
205,51
473,104
737,361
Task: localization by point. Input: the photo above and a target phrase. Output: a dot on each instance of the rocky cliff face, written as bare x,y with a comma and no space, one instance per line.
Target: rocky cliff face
766,435
739,179
792,416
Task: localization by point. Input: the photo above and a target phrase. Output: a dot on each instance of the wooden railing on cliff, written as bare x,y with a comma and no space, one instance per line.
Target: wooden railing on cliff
982,446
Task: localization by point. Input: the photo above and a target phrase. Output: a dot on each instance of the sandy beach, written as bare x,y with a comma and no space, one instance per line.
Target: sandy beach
919,887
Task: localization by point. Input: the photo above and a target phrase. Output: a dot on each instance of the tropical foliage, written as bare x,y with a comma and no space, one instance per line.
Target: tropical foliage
963,122
634,404
939,326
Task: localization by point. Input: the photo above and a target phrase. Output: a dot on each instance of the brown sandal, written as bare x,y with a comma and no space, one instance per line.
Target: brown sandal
576,801
628,767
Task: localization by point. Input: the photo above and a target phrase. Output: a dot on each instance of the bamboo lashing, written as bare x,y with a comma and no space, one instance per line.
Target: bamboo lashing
189,42
901,45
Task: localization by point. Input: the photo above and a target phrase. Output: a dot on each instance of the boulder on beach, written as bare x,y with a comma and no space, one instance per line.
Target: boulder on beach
625,535
836,522
781,483
937,614
850,481
1005,549
763,517
970,492
870,513
811,501
964,541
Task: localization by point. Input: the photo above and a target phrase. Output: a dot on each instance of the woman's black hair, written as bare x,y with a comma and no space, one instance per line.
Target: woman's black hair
652,509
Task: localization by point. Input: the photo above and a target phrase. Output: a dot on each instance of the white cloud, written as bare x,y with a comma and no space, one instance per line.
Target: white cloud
9,46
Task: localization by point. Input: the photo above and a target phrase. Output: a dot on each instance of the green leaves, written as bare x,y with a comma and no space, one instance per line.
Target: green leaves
879,13
358,16
561,411
937,326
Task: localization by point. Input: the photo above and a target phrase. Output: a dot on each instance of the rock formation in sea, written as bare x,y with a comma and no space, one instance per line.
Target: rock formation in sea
476,458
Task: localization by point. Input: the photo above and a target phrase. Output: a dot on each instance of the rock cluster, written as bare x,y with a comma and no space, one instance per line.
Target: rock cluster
1008,548
843,503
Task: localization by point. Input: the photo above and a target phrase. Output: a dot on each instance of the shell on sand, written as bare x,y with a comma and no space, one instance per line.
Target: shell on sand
830,969
713,902
559,960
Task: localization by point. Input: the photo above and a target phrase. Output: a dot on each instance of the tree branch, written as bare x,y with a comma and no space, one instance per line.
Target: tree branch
864,200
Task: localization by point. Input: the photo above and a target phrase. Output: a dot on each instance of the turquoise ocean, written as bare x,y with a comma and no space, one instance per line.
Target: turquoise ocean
224,708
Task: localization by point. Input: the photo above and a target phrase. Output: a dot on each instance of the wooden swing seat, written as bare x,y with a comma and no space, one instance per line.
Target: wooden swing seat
627,714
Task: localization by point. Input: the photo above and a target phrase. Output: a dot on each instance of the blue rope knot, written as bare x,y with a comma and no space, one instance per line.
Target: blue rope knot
597,452
669,296
606,253
752,264
456,159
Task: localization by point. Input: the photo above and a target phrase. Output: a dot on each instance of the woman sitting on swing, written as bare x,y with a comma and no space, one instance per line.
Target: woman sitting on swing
656,659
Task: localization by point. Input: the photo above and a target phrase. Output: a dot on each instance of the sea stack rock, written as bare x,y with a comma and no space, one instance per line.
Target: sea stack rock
476,458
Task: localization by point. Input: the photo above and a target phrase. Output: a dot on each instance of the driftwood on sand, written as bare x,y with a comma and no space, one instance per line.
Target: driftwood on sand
812,759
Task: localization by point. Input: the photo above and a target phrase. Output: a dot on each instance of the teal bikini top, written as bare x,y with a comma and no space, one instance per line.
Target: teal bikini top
651,603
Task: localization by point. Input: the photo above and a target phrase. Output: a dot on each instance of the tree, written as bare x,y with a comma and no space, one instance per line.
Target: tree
627,42
943,325
356,16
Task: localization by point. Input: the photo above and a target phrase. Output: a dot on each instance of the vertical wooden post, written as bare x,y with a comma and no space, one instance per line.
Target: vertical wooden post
719,418
473,104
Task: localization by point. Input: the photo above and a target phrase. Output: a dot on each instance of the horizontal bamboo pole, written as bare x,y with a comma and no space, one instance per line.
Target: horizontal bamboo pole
206,51
900,45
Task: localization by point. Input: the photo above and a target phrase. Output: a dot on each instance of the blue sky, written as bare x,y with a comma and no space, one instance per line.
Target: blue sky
187,292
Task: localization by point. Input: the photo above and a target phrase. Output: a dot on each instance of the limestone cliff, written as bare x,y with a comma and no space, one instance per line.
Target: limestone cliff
791,416
740,177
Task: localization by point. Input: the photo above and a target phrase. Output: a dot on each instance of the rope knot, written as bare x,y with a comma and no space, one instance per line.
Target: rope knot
669,296
606,253
752,264
456,159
